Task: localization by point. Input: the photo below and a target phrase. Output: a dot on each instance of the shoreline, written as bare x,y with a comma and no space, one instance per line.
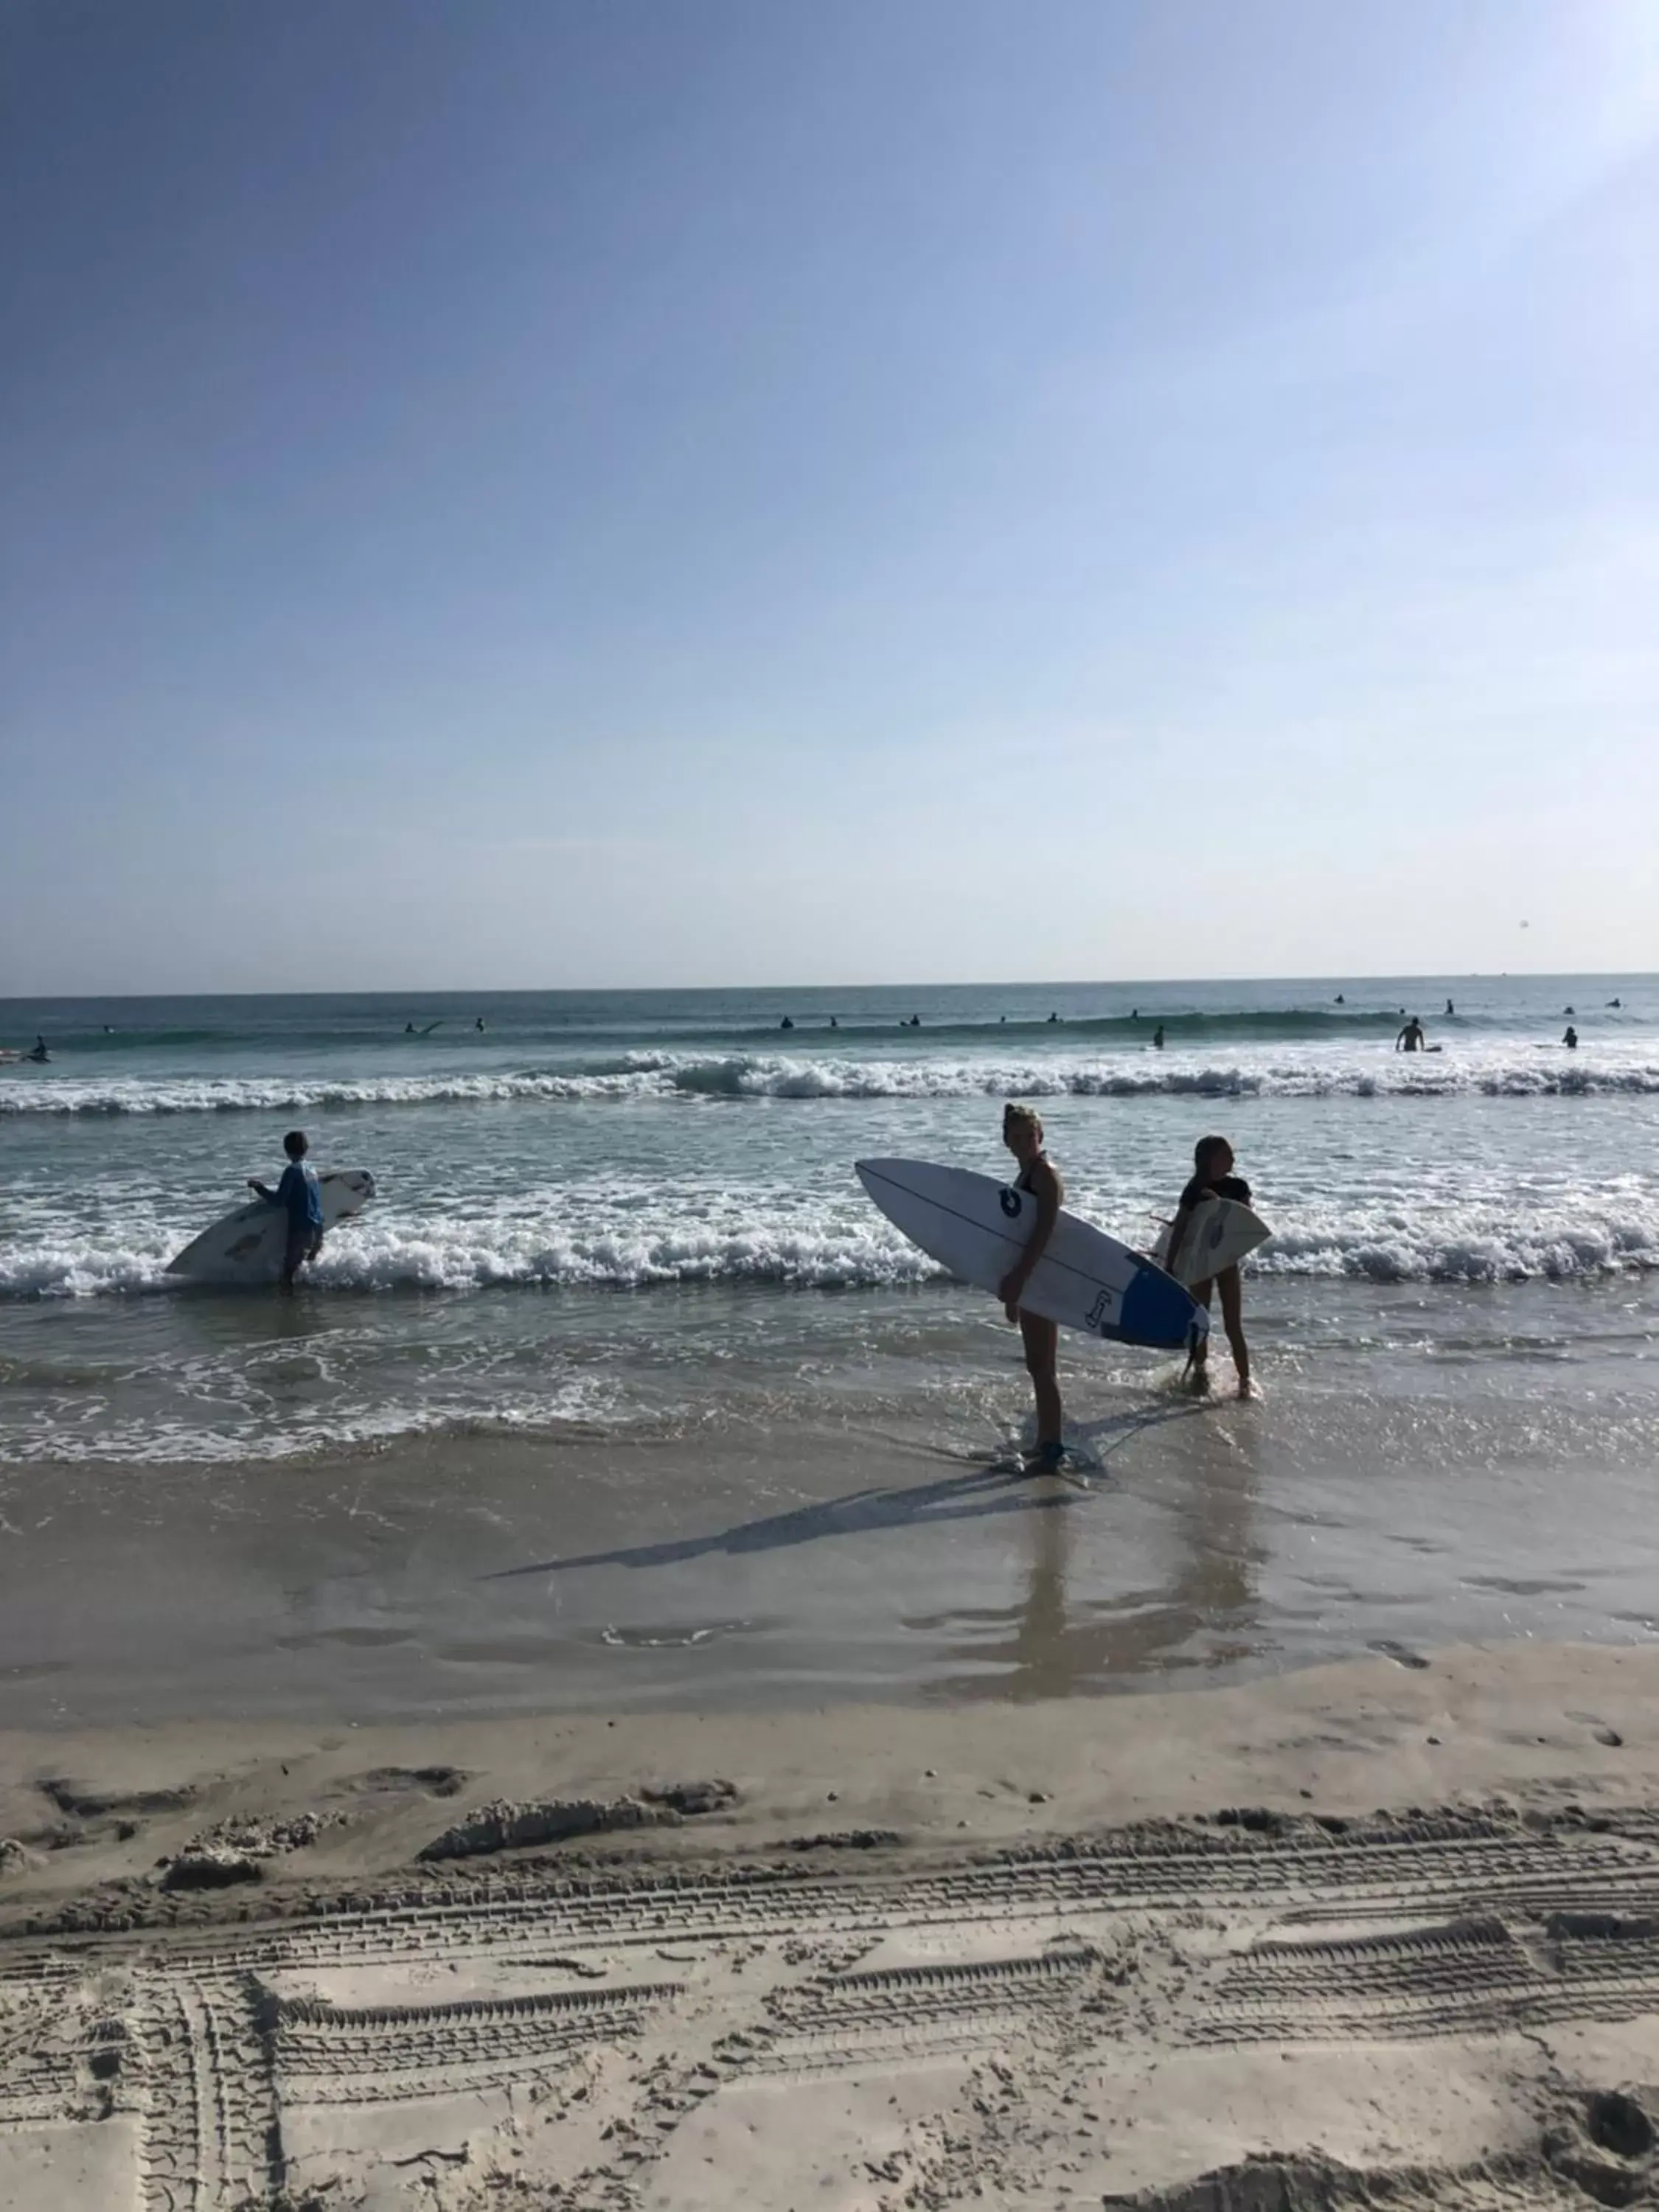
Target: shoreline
1354,1933
876,1551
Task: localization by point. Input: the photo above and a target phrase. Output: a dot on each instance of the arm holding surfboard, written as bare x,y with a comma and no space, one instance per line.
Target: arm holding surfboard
1049,1193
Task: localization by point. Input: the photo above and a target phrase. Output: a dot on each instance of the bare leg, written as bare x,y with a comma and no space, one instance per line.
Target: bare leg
1201,1359
1042,1339
1232,1320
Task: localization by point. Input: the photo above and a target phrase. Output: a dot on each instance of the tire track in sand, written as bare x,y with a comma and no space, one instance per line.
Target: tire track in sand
444,2018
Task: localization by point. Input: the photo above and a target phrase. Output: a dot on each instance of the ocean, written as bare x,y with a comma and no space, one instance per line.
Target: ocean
619,1393
628,1210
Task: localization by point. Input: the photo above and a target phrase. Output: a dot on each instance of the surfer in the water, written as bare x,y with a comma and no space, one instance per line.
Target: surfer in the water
1213,1177
1410,1039
1021,1132
300,1196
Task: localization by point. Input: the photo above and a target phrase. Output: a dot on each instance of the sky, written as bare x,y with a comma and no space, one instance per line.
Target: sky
541,494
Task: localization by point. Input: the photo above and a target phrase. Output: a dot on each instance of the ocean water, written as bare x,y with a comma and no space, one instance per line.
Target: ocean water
635,1212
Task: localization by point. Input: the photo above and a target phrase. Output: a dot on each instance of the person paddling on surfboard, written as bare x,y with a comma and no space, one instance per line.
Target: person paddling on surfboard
300,1194
1021,1132
1213,1177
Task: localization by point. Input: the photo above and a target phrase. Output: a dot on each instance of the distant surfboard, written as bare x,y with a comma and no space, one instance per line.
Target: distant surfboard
1221,1232
978,1227
246,1246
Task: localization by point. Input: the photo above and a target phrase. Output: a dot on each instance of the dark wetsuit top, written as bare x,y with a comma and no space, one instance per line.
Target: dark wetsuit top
1220,1186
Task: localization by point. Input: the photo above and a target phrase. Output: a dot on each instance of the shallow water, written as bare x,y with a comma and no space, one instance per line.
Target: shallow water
1381,1496
595,1211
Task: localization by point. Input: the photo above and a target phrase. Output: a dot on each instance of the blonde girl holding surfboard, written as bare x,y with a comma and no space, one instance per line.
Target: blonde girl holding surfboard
1021,1132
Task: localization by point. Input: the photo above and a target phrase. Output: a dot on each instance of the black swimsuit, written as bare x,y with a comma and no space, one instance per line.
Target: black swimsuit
1023,1180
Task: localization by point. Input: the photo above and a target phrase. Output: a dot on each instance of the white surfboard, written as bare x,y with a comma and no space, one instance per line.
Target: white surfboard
246,1246
978,1227
1221,1232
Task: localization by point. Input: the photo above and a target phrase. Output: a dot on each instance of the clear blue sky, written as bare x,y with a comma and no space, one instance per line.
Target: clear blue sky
657,491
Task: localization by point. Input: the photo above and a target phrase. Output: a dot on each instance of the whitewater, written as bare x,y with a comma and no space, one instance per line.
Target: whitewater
593,1205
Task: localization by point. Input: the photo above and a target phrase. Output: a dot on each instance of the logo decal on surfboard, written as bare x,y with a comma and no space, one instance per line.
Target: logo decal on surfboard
1008,1198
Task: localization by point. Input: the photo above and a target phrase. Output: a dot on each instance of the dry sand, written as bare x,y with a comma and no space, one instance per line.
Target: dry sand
910,1958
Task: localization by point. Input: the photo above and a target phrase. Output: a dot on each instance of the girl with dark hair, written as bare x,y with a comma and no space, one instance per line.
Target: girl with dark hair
1213,1177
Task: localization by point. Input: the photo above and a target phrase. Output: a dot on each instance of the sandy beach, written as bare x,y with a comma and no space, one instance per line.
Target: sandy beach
1379,1932
829,1106
784,1804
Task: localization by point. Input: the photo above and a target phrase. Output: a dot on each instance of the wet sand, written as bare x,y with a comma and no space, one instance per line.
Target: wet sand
758,1564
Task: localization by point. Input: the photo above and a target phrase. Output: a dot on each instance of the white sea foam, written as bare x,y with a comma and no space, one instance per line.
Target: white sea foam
246,1426
1494,1071
838,1245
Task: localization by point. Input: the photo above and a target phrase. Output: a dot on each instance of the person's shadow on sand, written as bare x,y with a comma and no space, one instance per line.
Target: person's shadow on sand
975,1496
1093,1442
954,1497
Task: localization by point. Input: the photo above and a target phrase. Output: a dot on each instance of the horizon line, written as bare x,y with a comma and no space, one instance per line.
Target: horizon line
970,983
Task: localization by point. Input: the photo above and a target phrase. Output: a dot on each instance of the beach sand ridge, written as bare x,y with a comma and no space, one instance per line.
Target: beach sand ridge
819,1984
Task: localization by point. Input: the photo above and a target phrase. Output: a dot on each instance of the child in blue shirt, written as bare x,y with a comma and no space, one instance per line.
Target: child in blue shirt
300,1195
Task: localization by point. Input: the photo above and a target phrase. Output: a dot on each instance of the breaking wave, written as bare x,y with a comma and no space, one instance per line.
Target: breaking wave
754,1076
839,1248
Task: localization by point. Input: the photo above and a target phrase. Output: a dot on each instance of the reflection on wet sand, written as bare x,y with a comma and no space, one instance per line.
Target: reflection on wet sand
1052,1645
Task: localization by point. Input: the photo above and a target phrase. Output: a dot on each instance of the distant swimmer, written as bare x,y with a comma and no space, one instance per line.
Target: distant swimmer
1410,1039
479,1023
786,1024
1157,1038
1569,1012
1021,1132
1450,1009
1134,1013
409,1028
1054,1017
1571,1040
1213,1177
1340,1000
300,1195
39,1055
916,1021
1615,1002
834,1022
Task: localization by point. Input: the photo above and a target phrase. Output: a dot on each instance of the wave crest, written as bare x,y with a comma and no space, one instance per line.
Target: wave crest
837,1250
755,1076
